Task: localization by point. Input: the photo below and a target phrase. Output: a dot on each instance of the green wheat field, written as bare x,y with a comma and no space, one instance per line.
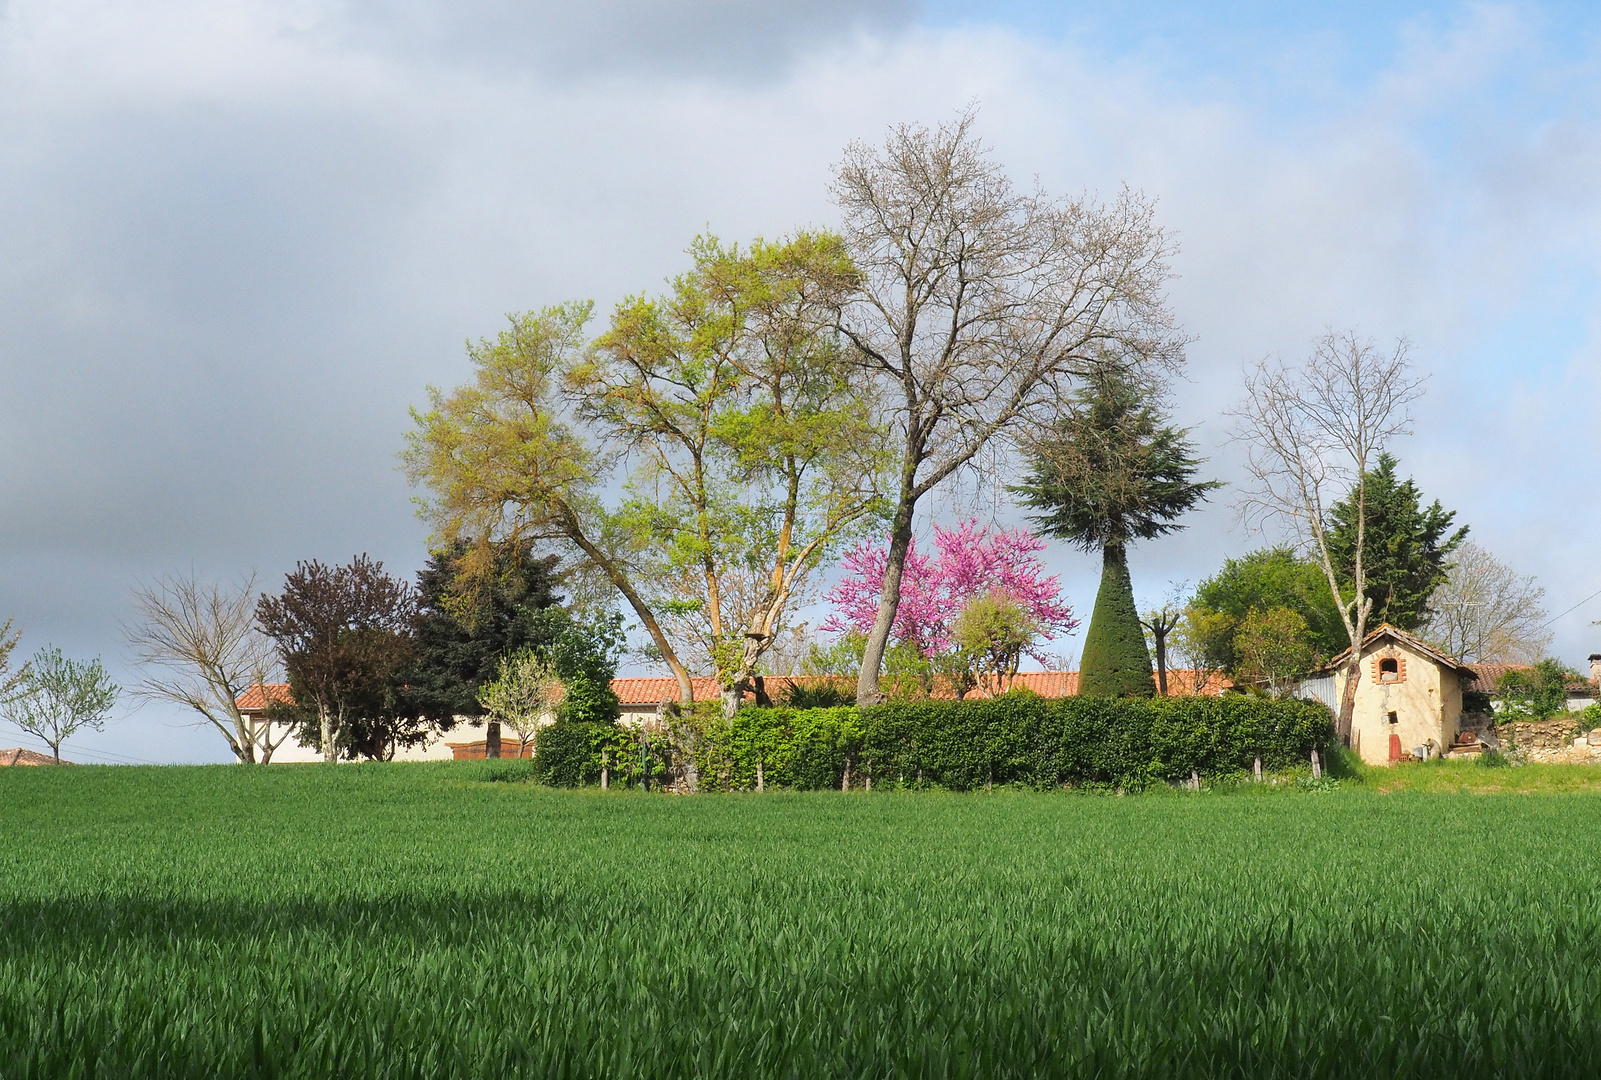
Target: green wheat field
419,921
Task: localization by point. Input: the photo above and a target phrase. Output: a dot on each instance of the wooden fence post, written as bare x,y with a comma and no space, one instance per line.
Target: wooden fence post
760,779
1317,766
1257,768
605,760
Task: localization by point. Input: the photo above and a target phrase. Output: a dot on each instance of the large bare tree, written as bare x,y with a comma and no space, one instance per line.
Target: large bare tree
1486,612
979,306
200,647
1312,432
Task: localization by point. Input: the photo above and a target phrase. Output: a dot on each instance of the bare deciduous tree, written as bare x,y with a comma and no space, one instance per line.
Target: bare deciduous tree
978,307
1486,612
1312,433
200,647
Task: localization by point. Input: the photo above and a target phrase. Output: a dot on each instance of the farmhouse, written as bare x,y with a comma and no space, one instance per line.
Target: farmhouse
642,700
1408,697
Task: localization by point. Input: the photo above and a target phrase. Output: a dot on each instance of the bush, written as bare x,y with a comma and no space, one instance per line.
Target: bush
1019,738
568,754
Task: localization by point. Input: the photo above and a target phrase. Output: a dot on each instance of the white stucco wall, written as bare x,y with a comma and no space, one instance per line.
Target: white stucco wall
1426,700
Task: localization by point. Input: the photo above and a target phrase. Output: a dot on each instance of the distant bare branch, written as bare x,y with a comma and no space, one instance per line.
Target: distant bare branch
1311,434
1486,612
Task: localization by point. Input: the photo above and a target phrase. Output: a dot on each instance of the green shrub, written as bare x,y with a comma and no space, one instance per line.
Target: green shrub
1019,738
1115,661
568,754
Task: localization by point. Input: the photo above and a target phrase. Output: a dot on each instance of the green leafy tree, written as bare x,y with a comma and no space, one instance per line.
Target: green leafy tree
1272,648
57,697
1109,472
1536,693
754,449
1261,581
745,450
1407,545
988,640
523,696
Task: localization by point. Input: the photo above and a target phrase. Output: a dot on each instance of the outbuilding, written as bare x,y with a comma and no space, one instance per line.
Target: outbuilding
1408,699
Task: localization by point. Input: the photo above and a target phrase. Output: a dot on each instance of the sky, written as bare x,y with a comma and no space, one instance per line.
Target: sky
238,238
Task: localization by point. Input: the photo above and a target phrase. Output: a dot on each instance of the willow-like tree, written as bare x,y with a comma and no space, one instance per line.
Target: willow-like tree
742,449
1110,471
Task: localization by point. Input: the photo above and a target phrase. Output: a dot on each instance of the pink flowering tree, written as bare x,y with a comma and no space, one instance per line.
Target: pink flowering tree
969,562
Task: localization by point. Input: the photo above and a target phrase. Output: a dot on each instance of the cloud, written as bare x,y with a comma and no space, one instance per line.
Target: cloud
242,237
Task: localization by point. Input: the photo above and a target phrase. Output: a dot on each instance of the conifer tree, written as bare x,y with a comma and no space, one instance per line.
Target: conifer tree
1110,471
1407,545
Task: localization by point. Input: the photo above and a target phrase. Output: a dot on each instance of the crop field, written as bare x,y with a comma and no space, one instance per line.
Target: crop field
417,921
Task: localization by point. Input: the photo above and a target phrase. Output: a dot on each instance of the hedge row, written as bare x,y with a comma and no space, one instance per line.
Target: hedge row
1016,739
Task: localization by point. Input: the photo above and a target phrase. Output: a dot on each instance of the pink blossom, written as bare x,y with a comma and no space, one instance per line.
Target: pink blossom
971,562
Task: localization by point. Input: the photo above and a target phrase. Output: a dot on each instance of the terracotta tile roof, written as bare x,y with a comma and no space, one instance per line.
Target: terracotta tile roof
1489,675
1417,644
258,697
26,757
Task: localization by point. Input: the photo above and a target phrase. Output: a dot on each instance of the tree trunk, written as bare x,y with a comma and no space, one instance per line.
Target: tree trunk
329,753
889,601
732,695
55,752
1353,676
492,739
1160,634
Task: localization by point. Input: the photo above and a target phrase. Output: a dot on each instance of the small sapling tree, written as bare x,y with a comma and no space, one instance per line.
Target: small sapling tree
523,697
58,697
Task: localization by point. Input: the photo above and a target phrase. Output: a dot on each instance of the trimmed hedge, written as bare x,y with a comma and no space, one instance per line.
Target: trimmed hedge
1020,738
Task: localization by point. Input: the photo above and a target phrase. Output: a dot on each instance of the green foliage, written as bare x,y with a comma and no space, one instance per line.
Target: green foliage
584,653
1115,662
1018,738
1260,581
818,694
1112,470
1592,714
988,639
1536,693
1405,549
57,697
1272,648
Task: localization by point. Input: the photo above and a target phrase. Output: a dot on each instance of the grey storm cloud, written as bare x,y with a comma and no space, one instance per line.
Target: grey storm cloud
710,37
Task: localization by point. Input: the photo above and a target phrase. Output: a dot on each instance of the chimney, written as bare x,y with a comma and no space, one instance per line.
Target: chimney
1595,666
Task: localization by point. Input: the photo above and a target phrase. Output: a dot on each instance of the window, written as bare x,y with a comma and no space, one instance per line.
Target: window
1394,719
1389,670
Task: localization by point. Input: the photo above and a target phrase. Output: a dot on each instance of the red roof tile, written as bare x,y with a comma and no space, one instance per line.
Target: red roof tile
258,697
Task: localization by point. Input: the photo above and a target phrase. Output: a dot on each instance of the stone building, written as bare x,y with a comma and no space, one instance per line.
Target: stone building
1408,697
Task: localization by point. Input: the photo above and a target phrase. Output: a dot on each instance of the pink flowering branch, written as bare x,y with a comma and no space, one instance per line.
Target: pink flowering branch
970,562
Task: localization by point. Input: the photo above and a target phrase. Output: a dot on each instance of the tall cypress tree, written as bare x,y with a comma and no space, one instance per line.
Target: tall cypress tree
1112,470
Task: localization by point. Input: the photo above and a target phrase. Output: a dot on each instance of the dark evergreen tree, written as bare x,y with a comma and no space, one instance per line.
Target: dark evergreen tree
469,618
471,613
1112,471
1405,550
